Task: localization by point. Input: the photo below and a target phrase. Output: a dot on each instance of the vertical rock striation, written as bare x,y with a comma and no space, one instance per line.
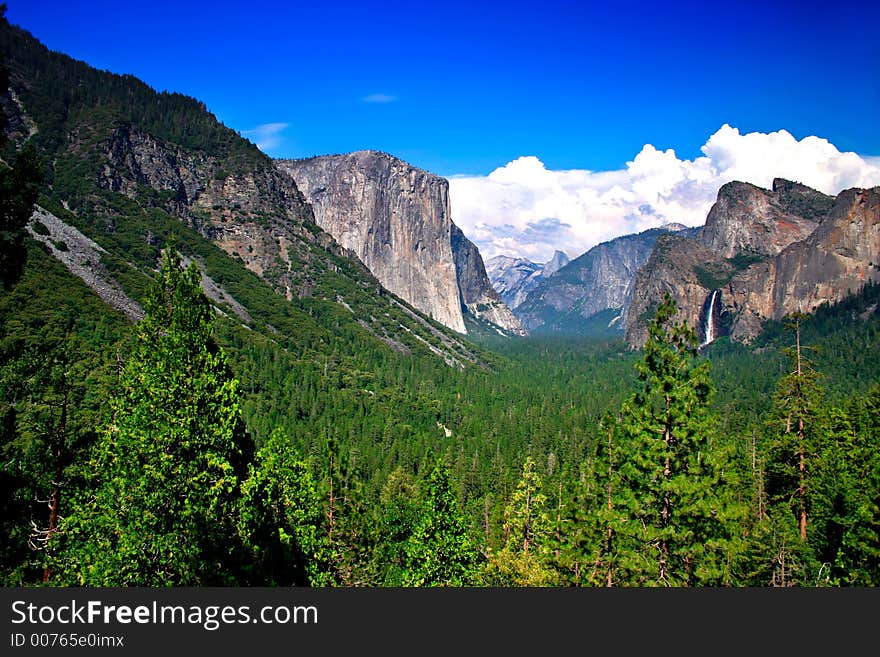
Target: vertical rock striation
396,219
600,280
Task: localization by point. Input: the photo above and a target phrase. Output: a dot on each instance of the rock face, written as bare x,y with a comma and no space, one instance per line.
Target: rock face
677,265
82,257
599,280
396,219
256,213
746,219
512,278
770,268
128,163
477,294
838,257
557,262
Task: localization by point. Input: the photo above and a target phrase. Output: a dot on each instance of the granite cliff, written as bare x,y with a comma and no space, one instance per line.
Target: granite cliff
396,219
128,168
514,278
762,255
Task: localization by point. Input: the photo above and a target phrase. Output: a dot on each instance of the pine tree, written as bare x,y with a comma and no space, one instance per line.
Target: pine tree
280,518
19,187
440,552
523,558
852,465
794,445
170,464
674,485
602,513
396,518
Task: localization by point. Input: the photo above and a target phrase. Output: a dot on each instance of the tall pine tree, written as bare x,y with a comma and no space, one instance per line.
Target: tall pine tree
170,464
440,552
674,485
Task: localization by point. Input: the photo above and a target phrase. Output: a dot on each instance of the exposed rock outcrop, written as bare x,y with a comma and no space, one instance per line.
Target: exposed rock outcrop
769,268
557,262
680,266
513,278
837,258
127,163
396,219
746,219
82,257
477,294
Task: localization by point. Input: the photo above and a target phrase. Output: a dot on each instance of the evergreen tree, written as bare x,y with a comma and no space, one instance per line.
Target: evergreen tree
602,513
170,464
280,518
395,522
19,186
794,444
851,486
675,488
522,560
440,552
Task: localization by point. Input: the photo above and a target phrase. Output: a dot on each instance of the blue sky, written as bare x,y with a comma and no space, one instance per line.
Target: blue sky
471,86
464,88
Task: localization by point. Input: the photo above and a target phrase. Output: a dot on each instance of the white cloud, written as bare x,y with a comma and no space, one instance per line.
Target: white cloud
379,98
526,210
266,136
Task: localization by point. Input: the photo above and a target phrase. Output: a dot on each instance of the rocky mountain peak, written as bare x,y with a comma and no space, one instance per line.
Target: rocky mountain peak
802,248
557,262
749,220
673,227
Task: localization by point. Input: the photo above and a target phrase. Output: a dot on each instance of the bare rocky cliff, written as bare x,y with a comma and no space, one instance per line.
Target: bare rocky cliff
678,265
838,257
753,262
746,219
396,219
477,294
513,278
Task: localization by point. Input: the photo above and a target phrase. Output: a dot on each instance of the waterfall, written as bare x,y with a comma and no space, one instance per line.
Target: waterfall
710,320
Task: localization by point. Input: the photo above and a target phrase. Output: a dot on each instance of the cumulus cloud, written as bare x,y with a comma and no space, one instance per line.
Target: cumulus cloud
266,136
527,210
379,98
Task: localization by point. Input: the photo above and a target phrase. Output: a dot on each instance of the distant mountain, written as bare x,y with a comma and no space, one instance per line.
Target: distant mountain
396,219
762,255
599,282
513,278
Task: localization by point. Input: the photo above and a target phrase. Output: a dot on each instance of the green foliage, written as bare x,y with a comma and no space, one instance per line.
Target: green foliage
794,436
712,278
397,515
280,520
745,260
170,465
440,552
522,560
18,194
673,480
540,483
55,363
64,90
